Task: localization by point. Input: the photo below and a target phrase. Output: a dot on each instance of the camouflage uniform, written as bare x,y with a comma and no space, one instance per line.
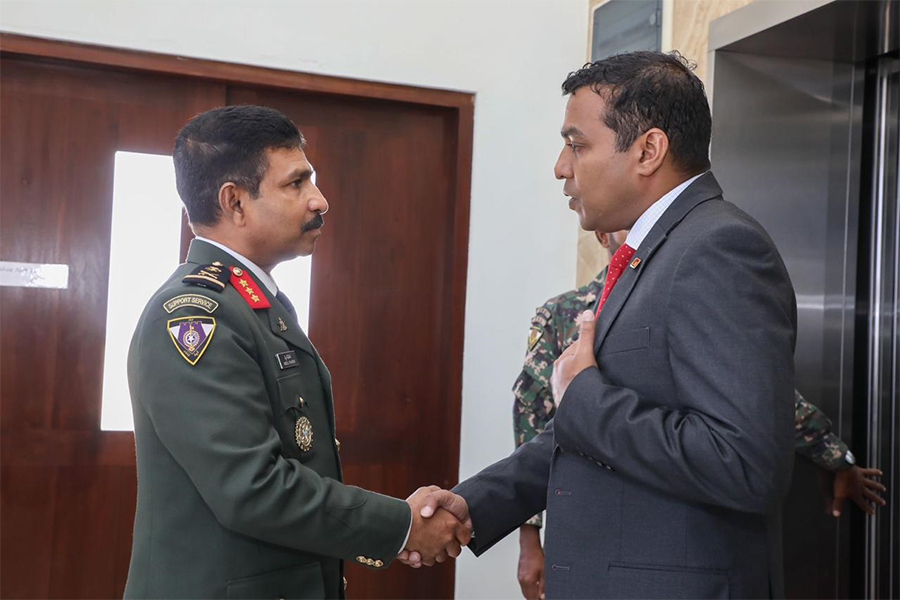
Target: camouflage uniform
554,328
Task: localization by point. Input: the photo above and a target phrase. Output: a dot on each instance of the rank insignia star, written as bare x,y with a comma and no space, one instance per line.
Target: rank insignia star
248,289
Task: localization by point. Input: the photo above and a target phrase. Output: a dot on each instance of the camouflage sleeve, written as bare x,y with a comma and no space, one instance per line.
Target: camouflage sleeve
533,406
813,436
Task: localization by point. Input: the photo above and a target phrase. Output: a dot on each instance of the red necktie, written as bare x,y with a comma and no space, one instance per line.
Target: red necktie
618,263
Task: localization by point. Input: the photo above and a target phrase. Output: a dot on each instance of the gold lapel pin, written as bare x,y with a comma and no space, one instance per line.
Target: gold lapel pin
281,326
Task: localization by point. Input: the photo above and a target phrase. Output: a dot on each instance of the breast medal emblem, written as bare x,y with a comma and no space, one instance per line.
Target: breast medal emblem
303,433
191,336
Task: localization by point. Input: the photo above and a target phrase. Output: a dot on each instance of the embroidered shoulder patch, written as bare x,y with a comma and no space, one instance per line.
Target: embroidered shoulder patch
534,337
186,300
211,277
191,336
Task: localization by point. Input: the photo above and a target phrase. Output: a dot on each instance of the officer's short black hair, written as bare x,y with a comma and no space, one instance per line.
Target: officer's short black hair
646,89
227,144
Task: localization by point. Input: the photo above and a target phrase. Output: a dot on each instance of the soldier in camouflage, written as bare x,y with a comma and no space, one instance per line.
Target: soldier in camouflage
555,327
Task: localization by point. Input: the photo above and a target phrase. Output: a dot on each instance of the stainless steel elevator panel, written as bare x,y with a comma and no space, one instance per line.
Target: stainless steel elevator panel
792,134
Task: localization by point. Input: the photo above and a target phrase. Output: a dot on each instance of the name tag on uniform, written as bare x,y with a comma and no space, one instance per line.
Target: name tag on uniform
287,360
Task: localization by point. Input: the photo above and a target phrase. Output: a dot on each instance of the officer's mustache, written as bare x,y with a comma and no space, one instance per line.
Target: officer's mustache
314,223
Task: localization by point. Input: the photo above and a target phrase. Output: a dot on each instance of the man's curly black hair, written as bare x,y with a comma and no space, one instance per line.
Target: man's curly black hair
646,89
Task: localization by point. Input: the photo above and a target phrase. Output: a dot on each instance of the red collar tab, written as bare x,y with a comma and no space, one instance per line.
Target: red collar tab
248,289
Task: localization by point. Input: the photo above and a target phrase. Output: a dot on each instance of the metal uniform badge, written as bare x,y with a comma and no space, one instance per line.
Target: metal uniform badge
303,433
191,336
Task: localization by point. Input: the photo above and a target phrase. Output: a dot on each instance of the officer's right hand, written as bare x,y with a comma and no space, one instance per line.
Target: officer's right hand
436,533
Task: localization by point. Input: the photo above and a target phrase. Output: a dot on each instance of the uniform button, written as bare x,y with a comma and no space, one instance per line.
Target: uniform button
361,559
337,443
379,564
301,401
345,584
237,271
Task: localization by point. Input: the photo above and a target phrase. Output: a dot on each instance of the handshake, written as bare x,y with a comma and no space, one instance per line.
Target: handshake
441,526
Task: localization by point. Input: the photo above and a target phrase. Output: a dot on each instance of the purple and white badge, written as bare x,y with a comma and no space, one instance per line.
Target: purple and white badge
191,336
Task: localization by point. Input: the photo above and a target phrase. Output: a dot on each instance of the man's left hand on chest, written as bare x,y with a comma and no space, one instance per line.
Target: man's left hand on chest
575,359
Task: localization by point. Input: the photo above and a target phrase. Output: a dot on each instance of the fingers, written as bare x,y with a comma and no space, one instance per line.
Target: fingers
865,506
542,584
869,483
529,590
447,500
410,558
423,490
585,344
453,549
837,506
463,533
874,497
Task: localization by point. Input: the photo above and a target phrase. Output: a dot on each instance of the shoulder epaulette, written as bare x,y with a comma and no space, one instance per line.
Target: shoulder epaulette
211,277
248,289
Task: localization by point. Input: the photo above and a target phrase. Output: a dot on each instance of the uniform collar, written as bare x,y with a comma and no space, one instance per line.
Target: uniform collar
257,271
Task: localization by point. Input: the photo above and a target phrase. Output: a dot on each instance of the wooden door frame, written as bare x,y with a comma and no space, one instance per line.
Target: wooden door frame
461,103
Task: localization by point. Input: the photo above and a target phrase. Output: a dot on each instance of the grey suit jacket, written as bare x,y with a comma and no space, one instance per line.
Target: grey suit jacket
664,469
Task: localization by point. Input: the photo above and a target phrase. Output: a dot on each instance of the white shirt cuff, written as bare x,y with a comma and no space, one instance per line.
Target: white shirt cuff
408,532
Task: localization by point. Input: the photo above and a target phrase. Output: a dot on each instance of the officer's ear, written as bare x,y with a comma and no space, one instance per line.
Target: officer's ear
603,238
231,204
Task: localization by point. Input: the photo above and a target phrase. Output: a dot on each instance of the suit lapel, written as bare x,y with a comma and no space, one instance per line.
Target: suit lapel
703,189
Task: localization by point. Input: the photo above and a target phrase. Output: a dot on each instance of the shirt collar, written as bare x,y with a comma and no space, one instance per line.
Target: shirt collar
647,220
257,271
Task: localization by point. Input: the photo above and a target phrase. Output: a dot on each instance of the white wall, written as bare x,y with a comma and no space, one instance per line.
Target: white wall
513,54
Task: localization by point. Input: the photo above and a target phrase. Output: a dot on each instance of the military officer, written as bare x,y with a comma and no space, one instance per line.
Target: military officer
239,476
555,327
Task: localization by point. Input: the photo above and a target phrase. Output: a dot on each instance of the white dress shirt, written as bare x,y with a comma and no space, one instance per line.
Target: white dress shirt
647,220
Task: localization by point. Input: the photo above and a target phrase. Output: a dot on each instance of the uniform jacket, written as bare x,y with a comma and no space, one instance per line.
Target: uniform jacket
664,469
229,504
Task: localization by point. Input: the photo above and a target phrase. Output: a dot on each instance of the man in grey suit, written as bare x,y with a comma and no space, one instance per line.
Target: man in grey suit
664,469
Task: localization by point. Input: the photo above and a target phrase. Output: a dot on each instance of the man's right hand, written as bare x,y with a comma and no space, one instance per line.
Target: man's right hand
436,533
430,503
531,563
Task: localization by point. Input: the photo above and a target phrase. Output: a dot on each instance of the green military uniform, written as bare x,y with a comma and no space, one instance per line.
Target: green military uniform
239,479
555,327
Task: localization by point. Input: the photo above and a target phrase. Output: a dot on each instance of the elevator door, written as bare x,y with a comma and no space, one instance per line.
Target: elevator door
805,140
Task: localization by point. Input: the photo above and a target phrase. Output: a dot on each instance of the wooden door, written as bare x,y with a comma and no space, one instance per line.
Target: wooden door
385,284
68,489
